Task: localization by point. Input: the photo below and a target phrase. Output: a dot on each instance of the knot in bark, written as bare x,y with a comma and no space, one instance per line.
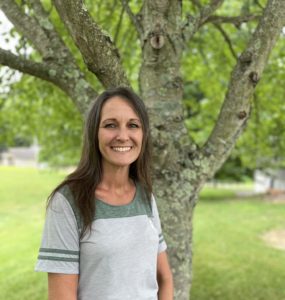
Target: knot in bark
245,60
176,83
254,78
160,127
157,39
246,57
242,115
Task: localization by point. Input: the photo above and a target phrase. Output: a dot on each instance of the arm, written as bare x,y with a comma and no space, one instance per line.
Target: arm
62,286
164,277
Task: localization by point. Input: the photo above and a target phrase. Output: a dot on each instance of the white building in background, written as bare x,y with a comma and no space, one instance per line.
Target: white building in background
21,156
265,180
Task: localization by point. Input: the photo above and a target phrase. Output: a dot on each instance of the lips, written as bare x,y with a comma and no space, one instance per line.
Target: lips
122,149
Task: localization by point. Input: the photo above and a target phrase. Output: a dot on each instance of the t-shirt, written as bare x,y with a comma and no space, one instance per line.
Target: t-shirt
117,259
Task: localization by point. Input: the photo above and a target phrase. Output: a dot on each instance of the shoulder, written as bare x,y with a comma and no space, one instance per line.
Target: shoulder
61,198
154,207
143,203
63,201
66,193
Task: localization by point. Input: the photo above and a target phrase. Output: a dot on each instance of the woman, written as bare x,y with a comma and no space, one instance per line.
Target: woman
102,237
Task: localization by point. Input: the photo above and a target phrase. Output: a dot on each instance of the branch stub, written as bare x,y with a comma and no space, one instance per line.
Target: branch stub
253,76
157,41
242,115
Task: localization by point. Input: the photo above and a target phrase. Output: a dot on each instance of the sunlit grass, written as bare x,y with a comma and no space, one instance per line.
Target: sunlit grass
231,261
23,194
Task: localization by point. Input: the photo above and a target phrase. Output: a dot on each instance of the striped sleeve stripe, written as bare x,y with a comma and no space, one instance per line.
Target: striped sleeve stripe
58,258
51,250
58,255
161,238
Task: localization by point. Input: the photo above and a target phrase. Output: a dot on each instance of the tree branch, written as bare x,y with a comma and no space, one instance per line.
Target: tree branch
133,18
237,21
258,4
40,70
39,31
59,65
28,26
96,47
39,10
246,74
76,87
197,3
227,39
208,10
60,51
192,24
119,26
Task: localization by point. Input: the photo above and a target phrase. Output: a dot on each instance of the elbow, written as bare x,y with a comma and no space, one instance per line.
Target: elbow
165,278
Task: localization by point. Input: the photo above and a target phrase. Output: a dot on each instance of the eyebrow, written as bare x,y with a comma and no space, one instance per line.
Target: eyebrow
113,119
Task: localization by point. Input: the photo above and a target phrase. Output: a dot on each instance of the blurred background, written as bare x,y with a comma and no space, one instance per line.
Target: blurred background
239,222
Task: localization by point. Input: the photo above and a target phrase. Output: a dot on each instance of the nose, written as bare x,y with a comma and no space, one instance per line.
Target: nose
122,135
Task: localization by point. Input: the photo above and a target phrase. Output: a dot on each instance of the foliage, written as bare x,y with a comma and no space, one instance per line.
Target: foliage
233,170
206,69
264,138
35,109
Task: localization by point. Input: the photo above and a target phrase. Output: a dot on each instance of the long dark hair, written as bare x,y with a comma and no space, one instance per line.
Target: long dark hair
88,174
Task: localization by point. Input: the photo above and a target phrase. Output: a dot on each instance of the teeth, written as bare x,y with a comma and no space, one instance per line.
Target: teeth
121,149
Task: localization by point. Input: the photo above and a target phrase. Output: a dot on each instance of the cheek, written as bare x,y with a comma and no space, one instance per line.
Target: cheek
141,138
141,143
104,137
102,142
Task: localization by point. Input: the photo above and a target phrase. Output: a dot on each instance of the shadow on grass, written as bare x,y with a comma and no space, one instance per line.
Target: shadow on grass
224,195
212,194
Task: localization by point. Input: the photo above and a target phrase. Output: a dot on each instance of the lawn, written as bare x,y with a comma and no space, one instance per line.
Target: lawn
230,260
23,195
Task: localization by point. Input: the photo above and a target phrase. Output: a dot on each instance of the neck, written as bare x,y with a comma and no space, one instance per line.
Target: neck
115,178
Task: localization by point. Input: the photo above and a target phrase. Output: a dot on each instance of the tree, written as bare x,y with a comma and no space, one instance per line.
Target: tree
164,29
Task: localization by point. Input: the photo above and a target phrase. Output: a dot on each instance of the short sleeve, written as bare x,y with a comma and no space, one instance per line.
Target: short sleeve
59,251
156,221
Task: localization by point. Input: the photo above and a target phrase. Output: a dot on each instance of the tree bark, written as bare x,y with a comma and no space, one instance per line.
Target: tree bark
247,73
58,65
97,48
162,89
180,167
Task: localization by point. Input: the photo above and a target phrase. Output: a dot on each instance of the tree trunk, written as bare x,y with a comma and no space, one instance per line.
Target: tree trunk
180,169
162,90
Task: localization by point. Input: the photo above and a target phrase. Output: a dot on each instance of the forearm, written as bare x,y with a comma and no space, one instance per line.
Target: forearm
165,291
164,278
62,286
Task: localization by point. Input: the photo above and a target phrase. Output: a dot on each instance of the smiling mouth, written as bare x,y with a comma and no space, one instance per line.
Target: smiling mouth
121,149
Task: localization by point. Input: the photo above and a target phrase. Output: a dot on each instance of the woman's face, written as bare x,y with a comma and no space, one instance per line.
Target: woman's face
120,133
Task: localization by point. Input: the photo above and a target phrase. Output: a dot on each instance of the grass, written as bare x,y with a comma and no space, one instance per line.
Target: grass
23,195
230,261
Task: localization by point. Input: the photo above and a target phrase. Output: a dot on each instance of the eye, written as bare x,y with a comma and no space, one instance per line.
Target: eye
110,125
134,125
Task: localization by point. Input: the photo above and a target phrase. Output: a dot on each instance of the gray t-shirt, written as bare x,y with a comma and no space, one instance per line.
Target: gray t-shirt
117,260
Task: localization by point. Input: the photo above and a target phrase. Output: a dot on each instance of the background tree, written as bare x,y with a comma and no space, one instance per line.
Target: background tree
71,45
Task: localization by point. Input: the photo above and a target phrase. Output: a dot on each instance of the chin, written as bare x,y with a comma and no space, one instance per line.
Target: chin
120,164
